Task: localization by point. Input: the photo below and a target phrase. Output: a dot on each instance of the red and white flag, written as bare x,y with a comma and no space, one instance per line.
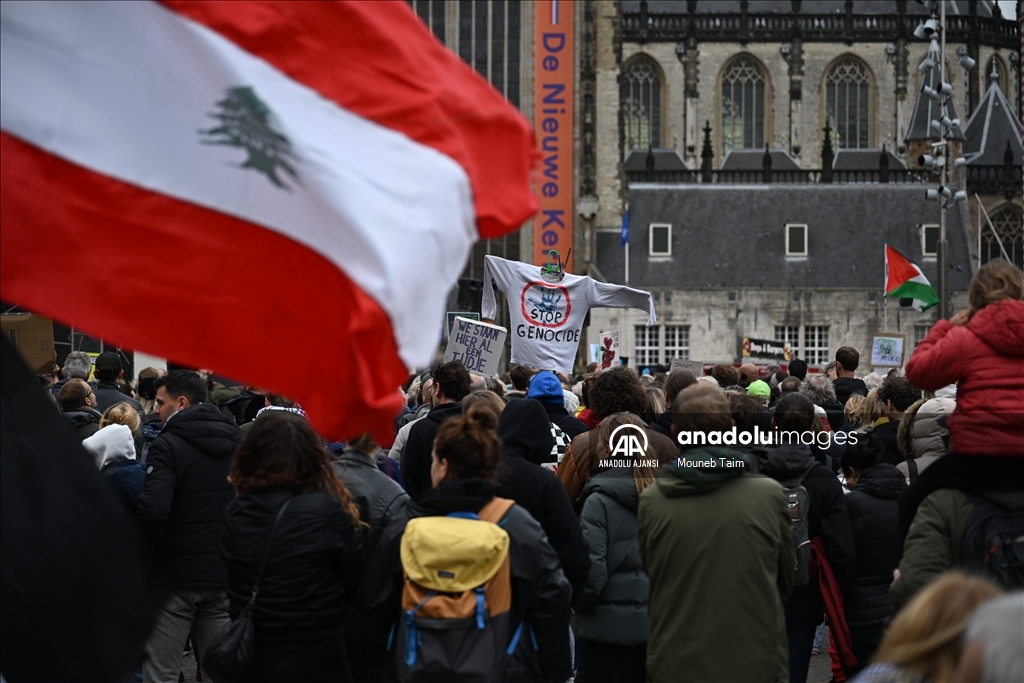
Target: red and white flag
284,192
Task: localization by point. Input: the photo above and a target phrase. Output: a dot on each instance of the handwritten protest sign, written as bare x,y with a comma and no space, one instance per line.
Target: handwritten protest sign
609,349
694,366
887,349
478,345
452,315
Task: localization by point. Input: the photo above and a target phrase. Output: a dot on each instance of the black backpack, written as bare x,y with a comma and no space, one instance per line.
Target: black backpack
994,543
799,503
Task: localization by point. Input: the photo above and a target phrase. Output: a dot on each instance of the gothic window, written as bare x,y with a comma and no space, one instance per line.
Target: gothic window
847,106
743,105
640,99
1009,224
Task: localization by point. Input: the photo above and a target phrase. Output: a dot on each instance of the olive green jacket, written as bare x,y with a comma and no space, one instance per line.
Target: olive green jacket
935,542
717,547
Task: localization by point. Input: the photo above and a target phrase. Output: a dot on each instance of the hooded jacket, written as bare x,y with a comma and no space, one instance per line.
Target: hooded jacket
848,386
716,543
181,509
827,518
540,591
546,388
113,449
416,454
612,607
935,542
525,434
984,357
874,520
929,437
85,421
584,455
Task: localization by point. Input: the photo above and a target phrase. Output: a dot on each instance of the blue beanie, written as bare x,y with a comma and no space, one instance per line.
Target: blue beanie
546,388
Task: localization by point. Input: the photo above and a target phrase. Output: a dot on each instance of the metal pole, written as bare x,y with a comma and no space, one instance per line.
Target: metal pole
943,253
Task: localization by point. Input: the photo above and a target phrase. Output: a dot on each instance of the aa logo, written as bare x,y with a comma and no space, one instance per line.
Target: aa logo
546,305
628,441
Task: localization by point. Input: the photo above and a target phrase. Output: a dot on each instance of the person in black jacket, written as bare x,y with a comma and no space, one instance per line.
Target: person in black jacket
847,360
527,443
180,514
827,517
546,388
108,371
451,384
382,503
463,469
874,520
315,560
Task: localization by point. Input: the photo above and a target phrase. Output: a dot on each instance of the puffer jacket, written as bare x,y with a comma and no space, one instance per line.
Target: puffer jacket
182,505
984,358
929,438
613,605
85,421
827,518
316,558
874,519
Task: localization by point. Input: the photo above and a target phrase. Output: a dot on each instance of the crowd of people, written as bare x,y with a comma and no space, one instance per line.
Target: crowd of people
500,538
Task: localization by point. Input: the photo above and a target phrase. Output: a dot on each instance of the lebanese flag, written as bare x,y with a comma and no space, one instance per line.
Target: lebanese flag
283,192
904,279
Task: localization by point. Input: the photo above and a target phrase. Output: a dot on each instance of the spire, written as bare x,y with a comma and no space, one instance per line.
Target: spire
925,108
992,127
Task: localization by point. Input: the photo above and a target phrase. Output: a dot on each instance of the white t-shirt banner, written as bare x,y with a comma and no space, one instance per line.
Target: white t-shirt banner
547,317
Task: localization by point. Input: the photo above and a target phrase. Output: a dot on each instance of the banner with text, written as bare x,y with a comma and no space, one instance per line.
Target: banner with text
478,345
694,366
553,123
765,348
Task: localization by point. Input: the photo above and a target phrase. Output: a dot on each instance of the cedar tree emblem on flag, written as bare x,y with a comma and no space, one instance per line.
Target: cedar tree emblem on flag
245,121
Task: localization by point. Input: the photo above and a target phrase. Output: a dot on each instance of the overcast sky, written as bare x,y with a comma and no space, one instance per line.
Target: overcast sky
1009,8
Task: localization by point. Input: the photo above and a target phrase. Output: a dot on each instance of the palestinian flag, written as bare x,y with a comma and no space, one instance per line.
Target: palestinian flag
282,192
904,279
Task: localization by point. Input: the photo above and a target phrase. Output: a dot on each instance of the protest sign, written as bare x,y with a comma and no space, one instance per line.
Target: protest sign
694,366
478,345
765,348
887,349
609,349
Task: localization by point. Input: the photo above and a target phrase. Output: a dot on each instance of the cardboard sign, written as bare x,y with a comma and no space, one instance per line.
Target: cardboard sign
694,366
765,348
609,349
452,315
478,345
887,349
32,335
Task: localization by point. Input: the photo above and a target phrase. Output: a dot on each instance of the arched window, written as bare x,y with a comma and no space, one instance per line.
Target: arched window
1009,224
640,99
743,106
847,104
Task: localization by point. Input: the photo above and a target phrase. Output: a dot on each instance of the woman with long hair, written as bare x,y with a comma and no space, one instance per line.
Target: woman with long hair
611,610
925,640
315,560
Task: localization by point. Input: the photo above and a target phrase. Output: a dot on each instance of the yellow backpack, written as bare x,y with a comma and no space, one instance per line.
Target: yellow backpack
456,597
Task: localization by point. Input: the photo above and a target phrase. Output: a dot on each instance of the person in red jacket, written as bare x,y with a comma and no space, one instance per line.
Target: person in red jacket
982,351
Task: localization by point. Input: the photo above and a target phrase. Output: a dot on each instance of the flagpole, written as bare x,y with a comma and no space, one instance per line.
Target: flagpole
885,284
943,250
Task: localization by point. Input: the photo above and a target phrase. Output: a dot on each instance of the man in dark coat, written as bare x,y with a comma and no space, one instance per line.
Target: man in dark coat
523,430
897,394
546,388
874,520
78,401
382,503
181,515
108,371
451,384
792,464
847,360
